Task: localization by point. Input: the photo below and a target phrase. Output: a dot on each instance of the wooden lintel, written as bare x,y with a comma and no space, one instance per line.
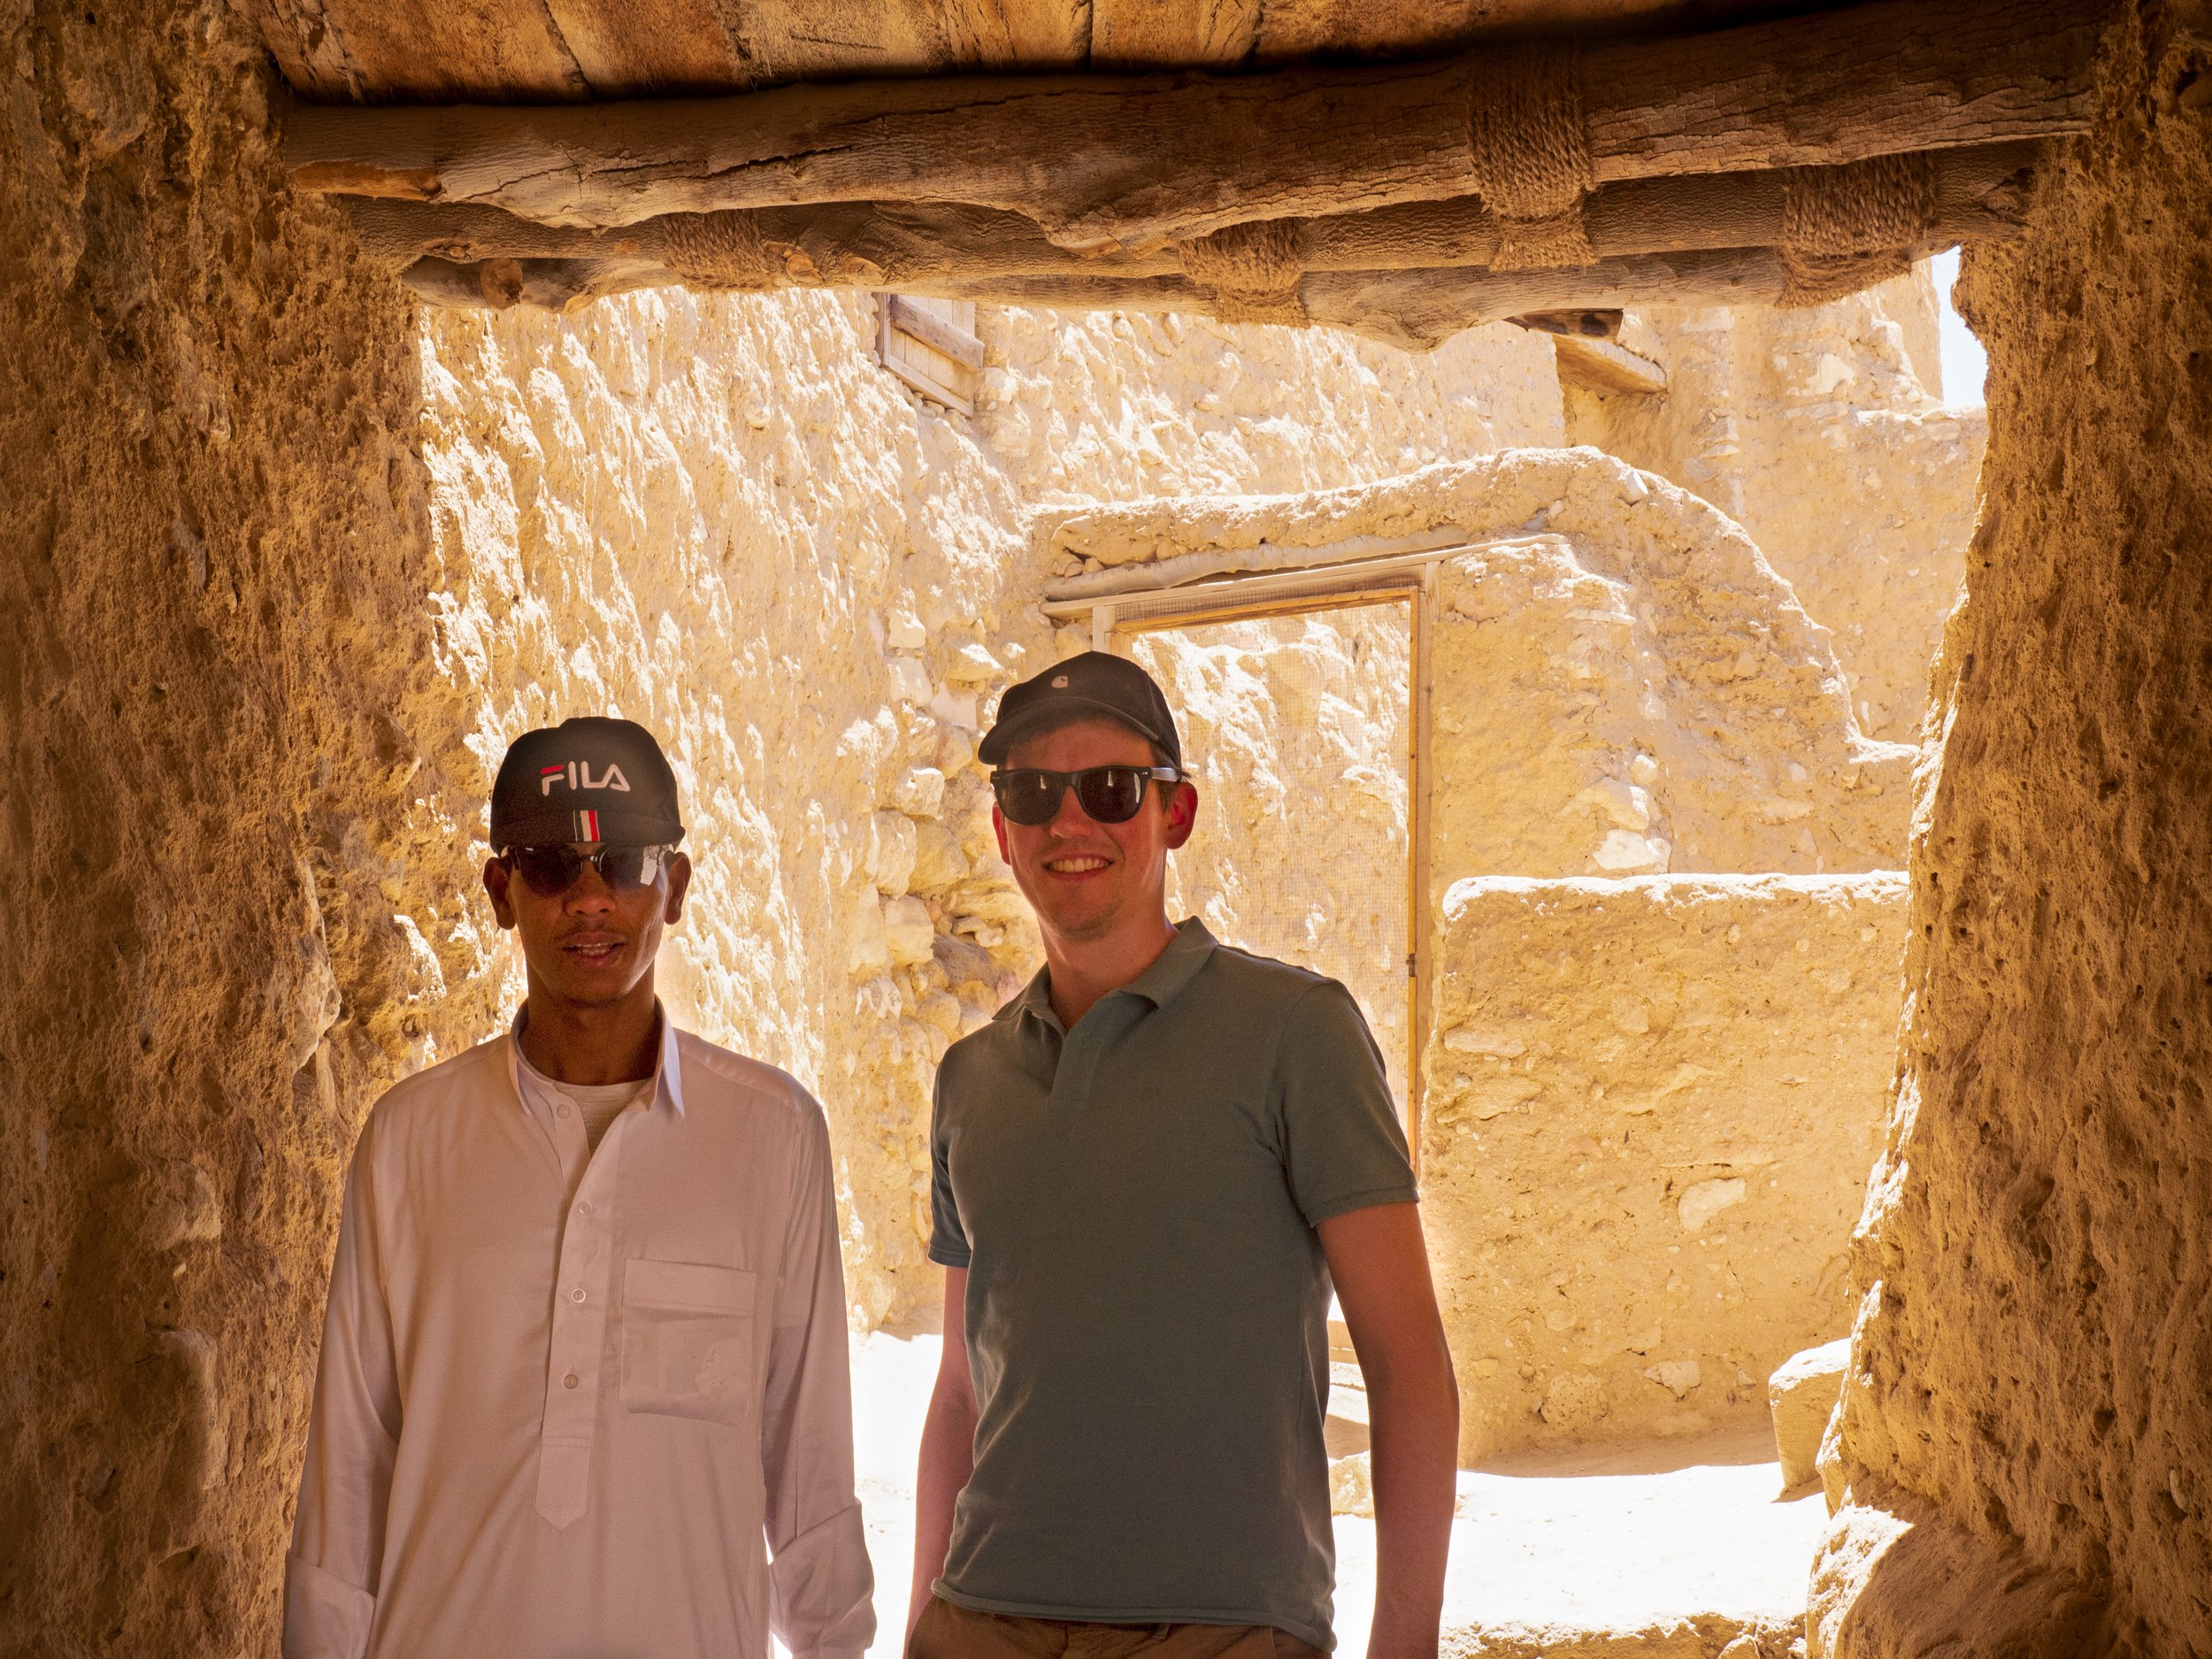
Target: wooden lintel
1979,192
1605,365
1414,310
1132,162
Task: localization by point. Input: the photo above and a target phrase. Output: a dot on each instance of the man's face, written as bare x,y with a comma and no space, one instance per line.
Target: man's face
1085,879
591,945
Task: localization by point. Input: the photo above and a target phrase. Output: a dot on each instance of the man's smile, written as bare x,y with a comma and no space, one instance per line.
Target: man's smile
1076,863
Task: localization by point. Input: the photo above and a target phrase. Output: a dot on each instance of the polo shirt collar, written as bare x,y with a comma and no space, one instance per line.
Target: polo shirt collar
1159,984
1176,967
668,1072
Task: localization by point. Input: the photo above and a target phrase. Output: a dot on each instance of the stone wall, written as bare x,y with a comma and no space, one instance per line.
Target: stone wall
213,630
289,565
1622,681
1297,734
1651,1106
1821,432
1643,695
2021,1466
719,516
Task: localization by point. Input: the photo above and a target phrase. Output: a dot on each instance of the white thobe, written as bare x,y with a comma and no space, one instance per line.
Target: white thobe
568,1401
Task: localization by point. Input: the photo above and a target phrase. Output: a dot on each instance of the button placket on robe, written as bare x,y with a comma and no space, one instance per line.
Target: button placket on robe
574,1357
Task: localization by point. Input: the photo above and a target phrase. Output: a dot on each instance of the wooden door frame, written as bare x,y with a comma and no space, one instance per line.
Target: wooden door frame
1409,579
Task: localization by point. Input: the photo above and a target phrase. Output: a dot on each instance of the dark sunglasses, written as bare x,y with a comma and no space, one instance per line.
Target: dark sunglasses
550,872
1109,794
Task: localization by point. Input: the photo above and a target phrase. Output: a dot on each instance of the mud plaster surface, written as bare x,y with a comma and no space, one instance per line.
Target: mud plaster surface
213,606
1822,433
719,516
2026,1435
1651,1107
1623,684
1297,732
286,568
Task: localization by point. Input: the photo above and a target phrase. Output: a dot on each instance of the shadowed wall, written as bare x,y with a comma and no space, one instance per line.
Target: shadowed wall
2022,1456
211,576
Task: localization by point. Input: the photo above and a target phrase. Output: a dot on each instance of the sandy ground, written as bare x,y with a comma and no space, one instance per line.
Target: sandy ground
1560,1545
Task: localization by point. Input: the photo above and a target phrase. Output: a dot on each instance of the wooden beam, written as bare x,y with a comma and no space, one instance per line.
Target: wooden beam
1413,310
1605,365
1979,192
1009,33
1132,162
1172,34
639,49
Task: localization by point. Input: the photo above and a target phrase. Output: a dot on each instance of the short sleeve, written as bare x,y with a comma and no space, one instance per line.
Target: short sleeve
948,1238
1343,1147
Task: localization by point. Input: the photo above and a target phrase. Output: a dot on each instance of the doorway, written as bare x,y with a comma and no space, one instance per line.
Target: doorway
1303,698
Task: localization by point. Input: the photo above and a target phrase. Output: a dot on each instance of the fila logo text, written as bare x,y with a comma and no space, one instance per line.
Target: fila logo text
578,776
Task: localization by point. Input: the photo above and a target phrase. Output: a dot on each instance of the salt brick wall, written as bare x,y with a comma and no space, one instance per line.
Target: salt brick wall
2020,1465
1652,1103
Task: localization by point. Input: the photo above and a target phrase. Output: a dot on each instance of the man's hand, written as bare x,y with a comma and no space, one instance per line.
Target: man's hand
1380,1263
947,1448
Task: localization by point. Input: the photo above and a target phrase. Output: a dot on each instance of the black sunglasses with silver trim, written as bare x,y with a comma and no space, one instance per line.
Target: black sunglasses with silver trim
550,870
1109,794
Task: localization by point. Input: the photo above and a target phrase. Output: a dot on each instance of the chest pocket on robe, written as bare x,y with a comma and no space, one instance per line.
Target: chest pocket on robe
688,1344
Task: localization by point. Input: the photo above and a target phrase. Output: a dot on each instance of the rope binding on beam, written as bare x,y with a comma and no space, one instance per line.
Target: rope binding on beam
720,250
1846,228
1530,148
1253,270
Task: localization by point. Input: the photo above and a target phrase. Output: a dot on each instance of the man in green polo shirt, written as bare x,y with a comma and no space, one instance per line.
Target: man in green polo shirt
1149,1170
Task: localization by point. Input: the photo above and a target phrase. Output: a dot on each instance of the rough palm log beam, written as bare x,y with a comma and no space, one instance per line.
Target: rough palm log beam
1978,193
1137,161
1414,310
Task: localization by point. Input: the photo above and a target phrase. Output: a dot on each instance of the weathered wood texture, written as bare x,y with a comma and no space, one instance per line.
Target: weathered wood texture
1104,162
536,51
1605,365
1978,193
1413,310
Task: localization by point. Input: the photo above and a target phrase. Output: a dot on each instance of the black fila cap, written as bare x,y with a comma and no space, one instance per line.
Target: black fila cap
587,780
1083,687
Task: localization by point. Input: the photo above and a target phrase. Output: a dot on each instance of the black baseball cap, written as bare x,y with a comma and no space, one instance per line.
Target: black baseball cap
1082,688
590,778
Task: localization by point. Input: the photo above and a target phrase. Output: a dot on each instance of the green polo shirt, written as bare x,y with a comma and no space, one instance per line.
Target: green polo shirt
1147,1303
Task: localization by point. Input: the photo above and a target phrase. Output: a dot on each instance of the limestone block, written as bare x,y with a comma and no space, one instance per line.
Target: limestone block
309,991
1678,1377
1801,1394
920,792
1824,432
1704,1199
1652,1105
894,849
1574,1402
971,663
867,942
909,932
910,680
954,708
1351,1486
938,860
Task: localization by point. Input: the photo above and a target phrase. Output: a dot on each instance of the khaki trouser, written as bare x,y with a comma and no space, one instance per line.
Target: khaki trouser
946,1632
